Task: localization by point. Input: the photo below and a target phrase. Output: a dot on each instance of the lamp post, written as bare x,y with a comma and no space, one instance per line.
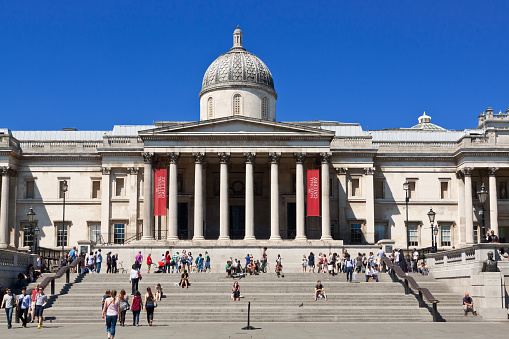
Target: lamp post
406,187
435,232
482,194
431,216
63,188
33,230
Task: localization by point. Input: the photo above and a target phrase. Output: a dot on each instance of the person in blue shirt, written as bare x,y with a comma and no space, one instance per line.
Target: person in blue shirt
25,301
199,261
72,255
98,262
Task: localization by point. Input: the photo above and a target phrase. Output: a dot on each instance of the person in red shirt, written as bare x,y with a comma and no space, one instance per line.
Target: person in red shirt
167,259
34,293
149,263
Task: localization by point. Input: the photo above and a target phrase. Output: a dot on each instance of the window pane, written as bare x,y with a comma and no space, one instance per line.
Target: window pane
355,233
502,190
444,190
120,187
28,237
96,189
118,234
379,232
62,235
30,189
95,234
446,235
355,188
413,239
379,189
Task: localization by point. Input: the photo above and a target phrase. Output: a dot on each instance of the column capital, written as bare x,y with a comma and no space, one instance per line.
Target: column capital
224,157
369,170
459,174
198,157
492,171
5,171
173,157
325,157
341,170
300,157
249,157
106,170
148,157
274,157
133,170
467,171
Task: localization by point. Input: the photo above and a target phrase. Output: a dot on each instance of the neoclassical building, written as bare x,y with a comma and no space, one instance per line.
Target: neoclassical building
238,176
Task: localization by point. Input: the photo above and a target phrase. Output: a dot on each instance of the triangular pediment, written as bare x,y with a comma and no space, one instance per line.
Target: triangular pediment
236,126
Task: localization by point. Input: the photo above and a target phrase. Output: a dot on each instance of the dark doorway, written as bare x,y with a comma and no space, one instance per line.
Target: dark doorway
182,221
237,222
291,221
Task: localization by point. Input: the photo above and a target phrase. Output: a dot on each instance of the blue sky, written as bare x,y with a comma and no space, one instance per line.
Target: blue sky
93,64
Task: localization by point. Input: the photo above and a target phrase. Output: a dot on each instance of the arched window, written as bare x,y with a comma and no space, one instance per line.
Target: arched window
236,104
210,108
265,108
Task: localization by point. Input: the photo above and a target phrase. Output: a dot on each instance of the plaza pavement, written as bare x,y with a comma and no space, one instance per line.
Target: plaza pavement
268,330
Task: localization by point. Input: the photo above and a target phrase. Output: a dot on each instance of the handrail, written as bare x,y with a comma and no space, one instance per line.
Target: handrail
410,281
63,270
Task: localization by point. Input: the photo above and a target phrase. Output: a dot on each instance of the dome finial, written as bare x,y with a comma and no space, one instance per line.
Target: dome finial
237,39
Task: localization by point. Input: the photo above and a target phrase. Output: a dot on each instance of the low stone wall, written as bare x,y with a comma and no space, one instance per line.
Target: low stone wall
11,264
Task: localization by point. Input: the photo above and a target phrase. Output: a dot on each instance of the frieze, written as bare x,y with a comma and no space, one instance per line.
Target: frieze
234,143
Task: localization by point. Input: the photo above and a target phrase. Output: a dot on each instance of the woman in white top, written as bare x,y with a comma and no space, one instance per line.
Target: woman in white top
304,263
134,277
110,313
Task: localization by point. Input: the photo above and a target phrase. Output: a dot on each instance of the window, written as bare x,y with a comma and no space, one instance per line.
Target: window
445,235
502,190
28,236
379,189
413,235
236,104
30,188
96,189
474,189
356,189
95,233
210,108
119,187
331,186
444,190
411,189
118,233
265,108
62,235
380,232
476,234
180,183
355,233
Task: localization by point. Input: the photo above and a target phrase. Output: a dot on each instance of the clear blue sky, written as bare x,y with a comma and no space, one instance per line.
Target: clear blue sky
93,64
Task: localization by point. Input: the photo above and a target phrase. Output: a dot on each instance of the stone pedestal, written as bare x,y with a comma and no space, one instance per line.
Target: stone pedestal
488,292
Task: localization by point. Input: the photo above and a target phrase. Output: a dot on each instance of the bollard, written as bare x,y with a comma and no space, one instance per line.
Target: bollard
435,315
52,286
16,315
67,276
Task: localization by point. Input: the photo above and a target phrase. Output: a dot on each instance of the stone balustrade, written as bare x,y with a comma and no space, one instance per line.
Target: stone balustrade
11,264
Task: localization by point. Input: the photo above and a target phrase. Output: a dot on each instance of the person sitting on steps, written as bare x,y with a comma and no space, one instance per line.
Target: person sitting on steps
468,305
320,290
184,281
370,273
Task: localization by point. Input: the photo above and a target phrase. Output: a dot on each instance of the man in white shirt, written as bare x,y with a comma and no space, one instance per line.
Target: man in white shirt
370,273
379,255
415,258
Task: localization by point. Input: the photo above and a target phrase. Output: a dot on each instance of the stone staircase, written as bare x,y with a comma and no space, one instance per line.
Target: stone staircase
288,299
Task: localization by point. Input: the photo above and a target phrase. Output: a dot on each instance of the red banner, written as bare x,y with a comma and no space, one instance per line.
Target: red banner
313,193
160,192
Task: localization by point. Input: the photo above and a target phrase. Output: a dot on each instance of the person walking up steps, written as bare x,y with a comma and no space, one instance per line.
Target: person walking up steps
150,304
149,263
136,307
110,313
207,262
123,302
134,277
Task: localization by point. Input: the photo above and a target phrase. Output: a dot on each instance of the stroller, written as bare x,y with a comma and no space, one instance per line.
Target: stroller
160,268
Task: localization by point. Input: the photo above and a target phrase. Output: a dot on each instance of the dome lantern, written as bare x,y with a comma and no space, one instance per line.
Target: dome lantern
237,40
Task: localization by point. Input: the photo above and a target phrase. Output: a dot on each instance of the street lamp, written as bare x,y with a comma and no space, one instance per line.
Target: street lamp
64,188
34,231
435,232
431,216
406,187
482,194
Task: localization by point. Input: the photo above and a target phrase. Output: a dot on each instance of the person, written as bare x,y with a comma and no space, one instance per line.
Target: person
319,289
159,292
8,302
279,266
114,260
90,262
348,268
311,262
236,291
251,268
32,309
149,262
99,261
370,273
332,263
24,302
123,301
136,307
183,261
207,262
228,269
264,260
403,261
423,269
139,259
41,300
494,237
184,280
134,277
468,304
358,262
248,259
108,262
72,256
149,306
190,262
167,259
200,263
175,267
110,313
415,259
304,264
162,264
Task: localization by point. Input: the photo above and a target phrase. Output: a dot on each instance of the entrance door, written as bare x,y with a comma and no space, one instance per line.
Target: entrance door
237,222
182,221
291,221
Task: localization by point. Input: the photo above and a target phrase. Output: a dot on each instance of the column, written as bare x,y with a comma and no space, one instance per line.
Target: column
105,202
274,196
324,160
460,210
343,222
173,197
198,195
4,208
469,224
370,205
492,171
299,196
148,210
224,215
133,199
250,158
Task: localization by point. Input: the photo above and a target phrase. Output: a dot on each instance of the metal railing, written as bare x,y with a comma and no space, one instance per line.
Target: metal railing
63,270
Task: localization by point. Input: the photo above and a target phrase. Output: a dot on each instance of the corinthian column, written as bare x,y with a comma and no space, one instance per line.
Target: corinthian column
148,211
493,200
274,196
299,196
4,208
370,205
173,197
105,201
198,196
224,220
324,160
469,223
250,158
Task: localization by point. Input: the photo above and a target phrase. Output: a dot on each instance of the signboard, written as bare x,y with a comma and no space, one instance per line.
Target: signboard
160,192
313,193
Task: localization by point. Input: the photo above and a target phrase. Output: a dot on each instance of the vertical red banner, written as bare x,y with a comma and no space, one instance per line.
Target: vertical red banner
160,192
313,193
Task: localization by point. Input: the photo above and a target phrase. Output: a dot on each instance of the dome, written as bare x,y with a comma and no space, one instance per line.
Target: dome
425,124
238,68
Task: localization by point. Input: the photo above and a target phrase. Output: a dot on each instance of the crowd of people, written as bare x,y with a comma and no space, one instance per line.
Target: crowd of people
28,302
177,262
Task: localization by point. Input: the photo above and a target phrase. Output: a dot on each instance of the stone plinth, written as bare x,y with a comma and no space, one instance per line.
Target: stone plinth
488,292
